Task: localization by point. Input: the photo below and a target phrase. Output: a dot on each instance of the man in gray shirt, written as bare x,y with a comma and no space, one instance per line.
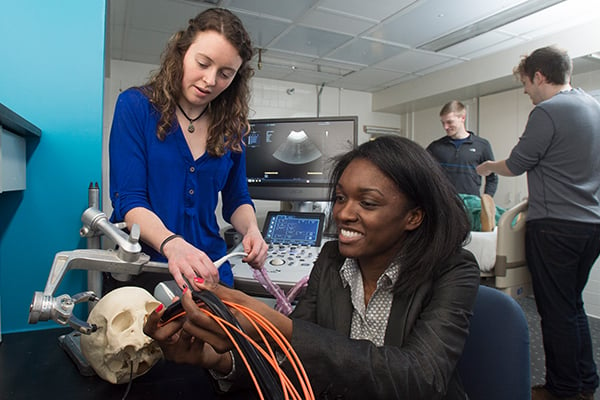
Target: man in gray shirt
559,151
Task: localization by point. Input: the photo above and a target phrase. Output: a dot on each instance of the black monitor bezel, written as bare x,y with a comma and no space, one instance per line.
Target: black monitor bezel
301,215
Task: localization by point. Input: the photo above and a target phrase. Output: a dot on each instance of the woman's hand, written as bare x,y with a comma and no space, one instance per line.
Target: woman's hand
217,337
180,346
255,246
187,261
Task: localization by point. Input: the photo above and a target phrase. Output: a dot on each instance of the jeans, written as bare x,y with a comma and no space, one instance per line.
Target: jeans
560,255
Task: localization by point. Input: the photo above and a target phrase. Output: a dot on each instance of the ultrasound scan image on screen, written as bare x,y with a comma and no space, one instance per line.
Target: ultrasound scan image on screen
289,159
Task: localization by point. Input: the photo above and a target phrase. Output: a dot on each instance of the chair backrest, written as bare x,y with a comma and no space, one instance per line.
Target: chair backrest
495,364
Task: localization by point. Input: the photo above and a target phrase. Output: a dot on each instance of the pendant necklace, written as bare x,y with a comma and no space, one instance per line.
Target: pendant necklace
190,127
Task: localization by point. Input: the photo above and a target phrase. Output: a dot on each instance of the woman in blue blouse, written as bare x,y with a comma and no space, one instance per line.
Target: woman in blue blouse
176,143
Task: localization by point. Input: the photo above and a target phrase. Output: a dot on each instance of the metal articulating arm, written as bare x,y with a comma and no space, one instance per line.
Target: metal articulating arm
127,259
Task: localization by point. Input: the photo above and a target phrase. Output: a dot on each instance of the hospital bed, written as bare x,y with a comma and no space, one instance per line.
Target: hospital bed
501,253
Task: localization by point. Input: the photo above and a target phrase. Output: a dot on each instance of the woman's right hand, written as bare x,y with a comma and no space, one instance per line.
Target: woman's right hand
187,261
180,346
211,332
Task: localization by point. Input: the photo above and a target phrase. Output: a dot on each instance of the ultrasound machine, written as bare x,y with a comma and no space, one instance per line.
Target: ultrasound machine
294,239
289,160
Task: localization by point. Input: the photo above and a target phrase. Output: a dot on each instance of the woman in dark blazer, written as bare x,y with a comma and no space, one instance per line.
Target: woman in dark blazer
386,312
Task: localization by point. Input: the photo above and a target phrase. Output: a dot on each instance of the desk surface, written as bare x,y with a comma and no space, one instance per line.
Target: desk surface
34,366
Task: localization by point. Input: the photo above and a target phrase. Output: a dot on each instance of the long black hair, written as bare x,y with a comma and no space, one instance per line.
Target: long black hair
419,177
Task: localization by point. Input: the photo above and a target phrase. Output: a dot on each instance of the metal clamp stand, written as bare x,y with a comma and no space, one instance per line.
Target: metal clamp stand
126,260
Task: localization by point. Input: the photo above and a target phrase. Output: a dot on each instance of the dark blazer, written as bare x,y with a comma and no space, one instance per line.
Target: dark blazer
423,342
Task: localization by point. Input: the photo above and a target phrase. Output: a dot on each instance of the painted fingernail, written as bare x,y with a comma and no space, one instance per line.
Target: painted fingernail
185,289
199,280
159,308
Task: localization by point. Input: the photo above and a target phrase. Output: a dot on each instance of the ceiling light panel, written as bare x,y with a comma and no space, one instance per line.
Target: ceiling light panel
428,20
494,47
558,17
440,66
487,24
484,42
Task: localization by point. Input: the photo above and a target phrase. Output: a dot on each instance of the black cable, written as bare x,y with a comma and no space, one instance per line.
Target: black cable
130,380
265,374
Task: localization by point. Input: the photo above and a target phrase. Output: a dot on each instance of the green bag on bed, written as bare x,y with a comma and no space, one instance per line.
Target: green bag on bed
473,207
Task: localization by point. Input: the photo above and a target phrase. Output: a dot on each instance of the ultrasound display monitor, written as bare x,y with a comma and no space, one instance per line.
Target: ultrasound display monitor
289,159
293,228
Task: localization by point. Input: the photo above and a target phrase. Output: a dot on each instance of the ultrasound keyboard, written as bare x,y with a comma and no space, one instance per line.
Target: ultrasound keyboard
295,239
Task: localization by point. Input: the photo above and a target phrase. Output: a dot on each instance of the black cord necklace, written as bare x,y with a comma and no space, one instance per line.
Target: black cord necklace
190,127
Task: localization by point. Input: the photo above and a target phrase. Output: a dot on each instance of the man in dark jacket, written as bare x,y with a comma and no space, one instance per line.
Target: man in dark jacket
460,151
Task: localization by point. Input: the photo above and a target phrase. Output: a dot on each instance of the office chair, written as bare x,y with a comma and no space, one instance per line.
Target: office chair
495,364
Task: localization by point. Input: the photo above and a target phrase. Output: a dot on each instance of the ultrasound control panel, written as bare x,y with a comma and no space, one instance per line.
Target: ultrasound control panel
295,239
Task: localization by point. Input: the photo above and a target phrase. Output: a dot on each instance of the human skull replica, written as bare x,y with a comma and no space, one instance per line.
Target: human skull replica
119,342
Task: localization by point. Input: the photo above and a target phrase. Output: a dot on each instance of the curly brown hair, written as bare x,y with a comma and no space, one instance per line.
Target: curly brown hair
229,111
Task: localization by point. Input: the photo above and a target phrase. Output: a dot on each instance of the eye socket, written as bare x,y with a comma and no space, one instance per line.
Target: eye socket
122,321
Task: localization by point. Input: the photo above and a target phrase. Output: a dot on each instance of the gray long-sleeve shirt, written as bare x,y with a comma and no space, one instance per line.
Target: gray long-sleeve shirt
560,151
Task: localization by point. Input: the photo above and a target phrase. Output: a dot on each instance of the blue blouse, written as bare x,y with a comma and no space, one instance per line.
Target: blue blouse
163,177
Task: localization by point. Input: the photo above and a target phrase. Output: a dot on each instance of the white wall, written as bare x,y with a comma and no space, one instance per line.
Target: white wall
502,119
591,295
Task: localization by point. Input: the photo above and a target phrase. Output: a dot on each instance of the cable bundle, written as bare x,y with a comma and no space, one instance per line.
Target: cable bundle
269,379
284,302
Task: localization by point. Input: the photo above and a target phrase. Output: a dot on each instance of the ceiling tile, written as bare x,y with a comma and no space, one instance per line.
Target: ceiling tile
355,44
290,9
374,10
160,15
310,41
312,77
363,79
143,42
117,12
412,60
337,22
272,71
262,30
365,52
425,21
116,42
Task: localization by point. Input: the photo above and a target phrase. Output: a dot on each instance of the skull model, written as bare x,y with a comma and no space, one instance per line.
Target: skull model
119,343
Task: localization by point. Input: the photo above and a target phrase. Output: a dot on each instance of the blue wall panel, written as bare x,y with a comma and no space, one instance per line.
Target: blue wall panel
52,74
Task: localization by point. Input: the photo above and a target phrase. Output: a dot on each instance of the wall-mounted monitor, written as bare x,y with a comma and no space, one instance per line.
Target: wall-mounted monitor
289,159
